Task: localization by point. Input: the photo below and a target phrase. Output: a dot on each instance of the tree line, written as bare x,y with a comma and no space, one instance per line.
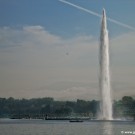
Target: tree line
40,107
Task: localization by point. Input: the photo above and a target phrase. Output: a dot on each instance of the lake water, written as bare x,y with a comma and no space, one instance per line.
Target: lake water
43,127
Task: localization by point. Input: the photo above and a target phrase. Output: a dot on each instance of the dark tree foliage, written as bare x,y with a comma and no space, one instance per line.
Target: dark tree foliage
40,107
124,107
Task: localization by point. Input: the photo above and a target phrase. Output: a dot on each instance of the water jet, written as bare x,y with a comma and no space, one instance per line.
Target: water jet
104,76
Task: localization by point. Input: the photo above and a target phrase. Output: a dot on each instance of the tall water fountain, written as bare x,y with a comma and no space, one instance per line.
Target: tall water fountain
104,78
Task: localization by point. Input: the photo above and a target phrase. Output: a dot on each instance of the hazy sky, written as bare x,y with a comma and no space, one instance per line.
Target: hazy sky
50,49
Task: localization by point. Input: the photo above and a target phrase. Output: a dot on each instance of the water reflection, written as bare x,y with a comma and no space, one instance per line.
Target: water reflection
107,128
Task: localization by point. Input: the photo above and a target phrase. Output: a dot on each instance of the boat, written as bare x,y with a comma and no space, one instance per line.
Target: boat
76,121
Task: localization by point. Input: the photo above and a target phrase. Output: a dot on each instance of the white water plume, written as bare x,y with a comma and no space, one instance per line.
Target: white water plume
104,79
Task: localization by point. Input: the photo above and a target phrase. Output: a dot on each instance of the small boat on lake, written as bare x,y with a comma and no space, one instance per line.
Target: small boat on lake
76,121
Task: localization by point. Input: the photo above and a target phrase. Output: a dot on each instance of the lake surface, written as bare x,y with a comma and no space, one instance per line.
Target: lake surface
46,127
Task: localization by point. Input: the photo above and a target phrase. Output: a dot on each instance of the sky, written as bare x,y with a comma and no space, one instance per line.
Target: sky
51,49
